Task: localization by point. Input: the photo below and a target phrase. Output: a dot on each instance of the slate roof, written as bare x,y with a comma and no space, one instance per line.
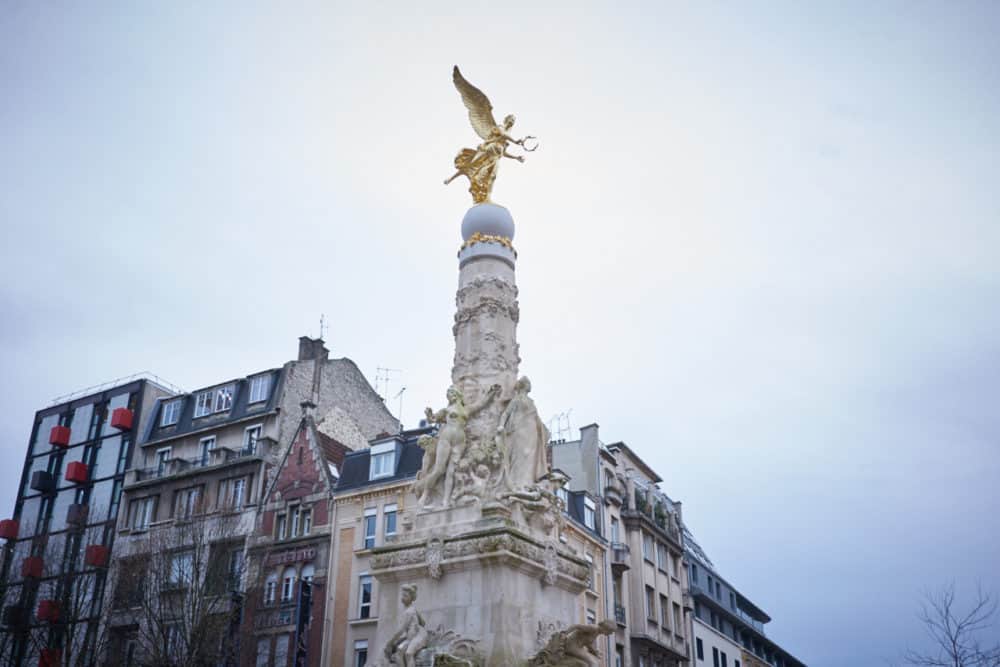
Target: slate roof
241,408
355,468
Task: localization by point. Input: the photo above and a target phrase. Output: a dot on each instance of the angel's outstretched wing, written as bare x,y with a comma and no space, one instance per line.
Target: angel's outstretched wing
480,109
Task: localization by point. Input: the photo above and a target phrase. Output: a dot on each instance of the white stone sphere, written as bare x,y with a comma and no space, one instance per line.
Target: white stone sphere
488,219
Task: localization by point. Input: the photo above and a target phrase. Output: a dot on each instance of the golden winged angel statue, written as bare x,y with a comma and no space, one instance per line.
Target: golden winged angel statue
480,165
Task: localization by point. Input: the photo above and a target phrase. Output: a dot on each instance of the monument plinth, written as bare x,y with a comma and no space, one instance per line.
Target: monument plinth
478,574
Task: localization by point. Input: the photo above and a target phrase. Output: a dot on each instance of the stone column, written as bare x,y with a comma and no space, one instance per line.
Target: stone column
485,330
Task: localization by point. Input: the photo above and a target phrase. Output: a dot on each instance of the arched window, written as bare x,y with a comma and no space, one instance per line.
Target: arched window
287,584
308,572
271,587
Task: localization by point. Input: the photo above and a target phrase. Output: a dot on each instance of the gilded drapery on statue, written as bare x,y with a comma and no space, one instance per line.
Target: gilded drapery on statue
480,164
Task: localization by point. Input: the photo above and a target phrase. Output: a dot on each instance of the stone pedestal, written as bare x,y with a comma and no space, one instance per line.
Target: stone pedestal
482,577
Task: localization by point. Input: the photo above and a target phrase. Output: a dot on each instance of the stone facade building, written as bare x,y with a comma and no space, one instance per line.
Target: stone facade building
648,584
205,462
288,554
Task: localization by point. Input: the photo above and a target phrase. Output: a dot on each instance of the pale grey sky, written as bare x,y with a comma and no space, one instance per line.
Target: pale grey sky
759,243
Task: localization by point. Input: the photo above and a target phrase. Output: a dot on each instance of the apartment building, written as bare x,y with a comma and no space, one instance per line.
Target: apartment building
727,627
203,467
644,550
288,558
54,564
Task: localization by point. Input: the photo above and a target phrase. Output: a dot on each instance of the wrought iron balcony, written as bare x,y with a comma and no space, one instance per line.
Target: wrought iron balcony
620,614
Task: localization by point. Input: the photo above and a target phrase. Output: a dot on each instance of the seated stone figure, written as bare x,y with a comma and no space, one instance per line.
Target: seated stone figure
411,637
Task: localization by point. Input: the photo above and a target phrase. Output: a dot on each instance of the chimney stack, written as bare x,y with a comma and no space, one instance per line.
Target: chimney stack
312,348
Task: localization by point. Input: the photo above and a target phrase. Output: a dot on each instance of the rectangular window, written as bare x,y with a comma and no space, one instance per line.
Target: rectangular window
206,445
187,502
650,604
223,398
694,573
361,653
264,652
171,412
287,585
238,495
722,658
590,570
389,520
296,517
661,556
615,530
383,460
203,403
589,514
235,574
718,590
365,597
162,456
181,568
647,547
260,386
143,512
281,650
306,521
591,617
676,562
250,437
370,521
732,600
699,648
677,619
664,612
279,527
715,657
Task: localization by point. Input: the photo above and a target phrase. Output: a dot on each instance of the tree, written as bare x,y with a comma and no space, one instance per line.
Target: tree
956,634
176,594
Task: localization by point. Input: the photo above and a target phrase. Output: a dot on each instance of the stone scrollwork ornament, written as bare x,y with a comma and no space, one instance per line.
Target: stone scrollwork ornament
435,554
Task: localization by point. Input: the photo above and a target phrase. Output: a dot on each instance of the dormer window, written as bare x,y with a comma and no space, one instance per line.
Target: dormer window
260,388
219,399
383,460
589,514
171,412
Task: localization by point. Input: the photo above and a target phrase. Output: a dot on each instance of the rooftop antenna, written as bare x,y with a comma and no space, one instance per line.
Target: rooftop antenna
322,326
399,415
382,378
561,429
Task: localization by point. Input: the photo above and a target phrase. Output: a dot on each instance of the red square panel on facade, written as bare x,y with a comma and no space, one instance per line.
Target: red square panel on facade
59,436
32,567
48,610
76,472
49,657
9,529
121,418
96,555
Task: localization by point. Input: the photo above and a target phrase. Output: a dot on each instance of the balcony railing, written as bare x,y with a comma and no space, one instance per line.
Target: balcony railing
177,466
620,614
